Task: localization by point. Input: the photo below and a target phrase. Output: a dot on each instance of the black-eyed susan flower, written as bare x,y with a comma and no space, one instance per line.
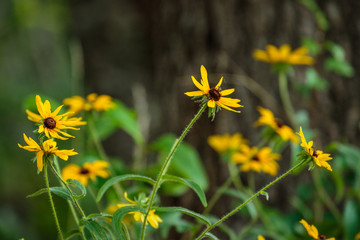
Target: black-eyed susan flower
92,102
226,142
52,123
153,218
213,96
260,237
257,160
313,232
90,170
319,157
284,55
267,118
47,148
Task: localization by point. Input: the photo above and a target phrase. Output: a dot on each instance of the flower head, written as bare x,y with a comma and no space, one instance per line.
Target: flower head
260,237
51,122
284,55
254,159
213,96
313,232
47,148
90,170
357,236
92,102
226,142
267,118
153,218
319,157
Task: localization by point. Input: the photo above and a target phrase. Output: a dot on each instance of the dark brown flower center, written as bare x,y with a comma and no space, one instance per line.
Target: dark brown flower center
315,154
322,236
84,171
256,158
279,122
214,94
50,122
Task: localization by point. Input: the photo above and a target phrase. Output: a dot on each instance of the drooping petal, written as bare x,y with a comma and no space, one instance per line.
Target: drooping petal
34,117
39,160
311,230
231,102
211,103
227,108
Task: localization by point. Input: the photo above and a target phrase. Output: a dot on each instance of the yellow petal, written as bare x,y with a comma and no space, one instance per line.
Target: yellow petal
194,93
219,84
211,103
197,84
39,160
204,78
311,230
261,55
40,106
227,92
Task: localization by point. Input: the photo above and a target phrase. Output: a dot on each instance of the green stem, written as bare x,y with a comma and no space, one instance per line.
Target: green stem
285,98
51,200
68,188
165,166
250,199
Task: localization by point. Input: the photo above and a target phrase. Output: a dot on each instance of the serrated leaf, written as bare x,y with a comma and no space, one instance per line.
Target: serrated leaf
59,191
95,228
78,185
191,184
121,178
119,227
185,211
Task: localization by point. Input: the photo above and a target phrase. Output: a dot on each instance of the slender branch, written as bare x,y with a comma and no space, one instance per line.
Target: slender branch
250,199
166,165
51,201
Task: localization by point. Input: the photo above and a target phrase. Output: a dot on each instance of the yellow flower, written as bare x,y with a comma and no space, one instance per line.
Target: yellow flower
226,142
51,122
260,237
254,159
90,170
268,118
284,54
357,237
319,157
213,95
48,147
313,232
93,101
153,218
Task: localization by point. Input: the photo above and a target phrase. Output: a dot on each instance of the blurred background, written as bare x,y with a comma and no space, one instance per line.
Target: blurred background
143,54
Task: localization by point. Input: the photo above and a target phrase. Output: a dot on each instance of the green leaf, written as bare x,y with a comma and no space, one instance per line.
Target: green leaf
59,191
121,178
351,219
71,234
313,46
211,236
173,219
95,228
186,161
265,194
191,184
340,67
77,184
94,215
119,117
185,211
120,228
314,81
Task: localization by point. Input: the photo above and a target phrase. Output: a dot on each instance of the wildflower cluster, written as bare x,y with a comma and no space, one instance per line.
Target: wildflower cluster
131,216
